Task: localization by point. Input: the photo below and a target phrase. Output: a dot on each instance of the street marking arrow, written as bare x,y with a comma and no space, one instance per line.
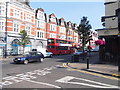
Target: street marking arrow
68,79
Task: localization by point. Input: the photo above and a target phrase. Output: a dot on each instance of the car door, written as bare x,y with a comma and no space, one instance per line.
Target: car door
32,56
39,55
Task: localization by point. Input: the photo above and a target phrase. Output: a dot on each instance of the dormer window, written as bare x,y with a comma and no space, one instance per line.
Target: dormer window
53,19
62,22
70,32
40,15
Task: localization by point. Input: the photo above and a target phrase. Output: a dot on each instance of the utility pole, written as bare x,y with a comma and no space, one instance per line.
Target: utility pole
5,54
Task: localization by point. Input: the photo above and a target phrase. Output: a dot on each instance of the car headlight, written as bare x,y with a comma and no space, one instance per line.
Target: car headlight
22,58
18,59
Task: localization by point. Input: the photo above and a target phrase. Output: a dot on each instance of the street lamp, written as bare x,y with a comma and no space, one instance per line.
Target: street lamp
5,54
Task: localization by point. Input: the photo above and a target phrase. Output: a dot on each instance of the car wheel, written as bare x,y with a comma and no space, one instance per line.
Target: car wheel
41,60
25,62
51,56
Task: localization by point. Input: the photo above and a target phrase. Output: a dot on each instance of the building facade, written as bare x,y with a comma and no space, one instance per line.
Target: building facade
62,29
52,26
41,25
109,51
18,15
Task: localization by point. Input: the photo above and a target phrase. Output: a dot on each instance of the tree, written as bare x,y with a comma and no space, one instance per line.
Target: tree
83,31
24,39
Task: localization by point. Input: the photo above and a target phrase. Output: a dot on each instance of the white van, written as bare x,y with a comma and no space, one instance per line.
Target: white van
44,52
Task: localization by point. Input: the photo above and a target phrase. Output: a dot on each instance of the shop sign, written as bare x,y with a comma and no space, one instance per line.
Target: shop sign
106,32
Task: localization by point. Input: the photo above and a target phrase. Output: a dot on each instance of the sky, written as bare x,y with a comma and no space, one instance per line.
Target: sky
74,11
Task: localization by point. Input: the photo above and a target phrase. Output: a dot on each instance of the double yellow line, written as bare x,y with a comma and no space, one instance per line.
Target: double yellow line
91,73
116,75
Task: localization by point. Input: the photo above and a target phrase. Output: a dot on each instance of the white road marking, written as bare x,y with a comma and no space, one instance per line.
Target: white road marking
27,76
44,83
68,78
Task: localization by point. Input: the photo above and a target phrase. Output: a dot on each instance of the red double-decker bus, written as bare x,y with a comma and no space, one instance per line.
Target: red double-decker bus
59,46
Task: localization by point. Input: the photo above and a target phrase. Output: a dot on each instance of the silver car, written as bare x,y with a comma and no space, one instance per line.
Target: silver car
80,52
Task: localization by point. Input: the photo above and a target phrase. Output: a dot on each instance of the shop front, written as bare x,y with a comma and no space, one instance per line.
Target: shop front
2,45
109,51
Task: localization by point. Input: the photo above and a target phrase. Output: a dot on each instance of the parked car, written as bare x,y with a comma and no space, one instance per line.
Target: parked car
29,57
80,53
45,52
48,54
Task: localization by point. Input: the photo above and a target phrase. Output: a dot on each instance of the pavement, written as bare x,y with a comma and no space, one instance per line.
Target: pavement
95,65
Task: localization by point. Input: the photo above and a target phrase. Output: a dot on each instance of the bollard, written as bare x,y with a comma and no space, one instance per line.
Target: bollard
87,62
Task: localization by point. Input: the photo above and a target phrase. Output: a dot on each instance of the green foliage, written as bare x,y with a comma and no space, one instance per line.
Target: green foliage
24,39
84,30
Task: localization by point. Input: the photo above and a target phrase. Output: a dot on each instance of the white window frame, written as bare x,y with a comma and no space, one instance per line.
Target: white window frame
17,27
70,32
2,10
28,29
75,34
76,39
62,37
53,27
40,34
52,35
28,17
62,23
16,13
69,38
53,19
2,25
40,15
37,34
62,30
41,24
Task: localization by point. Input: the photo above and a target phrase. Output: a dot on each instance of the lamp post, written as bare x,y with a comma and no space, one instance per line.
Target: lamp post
5,54
88,57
